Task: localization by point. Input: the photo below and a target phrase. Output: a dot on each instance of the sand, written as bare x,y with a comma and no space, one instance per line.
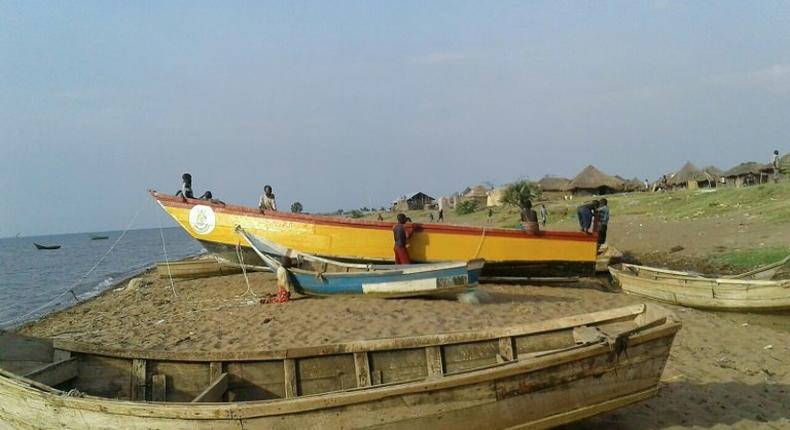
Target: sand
721,373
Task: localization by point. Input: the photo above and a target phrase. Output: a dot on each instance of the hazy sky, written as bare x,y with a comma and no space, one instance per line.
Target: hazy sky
349,104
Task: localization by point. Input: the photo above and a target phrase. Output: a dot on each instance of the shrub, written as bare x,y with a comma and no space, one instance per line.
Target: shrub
356,213
466,207
296,208
518,193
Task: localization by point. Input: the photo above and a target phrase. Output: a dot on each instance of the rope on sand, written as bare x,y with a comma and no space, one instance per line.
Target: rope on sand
70,290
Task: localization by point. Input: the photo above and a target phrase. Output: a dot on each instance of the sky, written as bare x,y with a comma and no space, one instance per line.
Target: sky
344,104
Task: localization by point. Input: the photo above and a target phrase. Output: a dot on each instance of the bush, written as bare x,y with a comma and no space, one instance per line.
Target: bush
466,207
296,208
517,194
356,213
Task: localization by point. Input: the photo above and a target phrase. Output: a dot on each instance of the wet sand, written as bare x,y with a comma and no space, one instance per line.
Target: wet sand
721,373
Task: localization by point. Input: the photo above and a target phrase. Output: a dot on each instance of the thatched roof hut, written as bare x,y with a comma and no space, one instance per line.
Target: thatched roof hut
554,184
634,184
748,173
689,176
714,172
784,164
593,181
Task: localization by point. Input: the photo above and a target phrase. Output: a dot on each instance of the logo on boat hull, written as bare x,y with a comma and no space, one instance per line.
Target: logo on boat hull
201,218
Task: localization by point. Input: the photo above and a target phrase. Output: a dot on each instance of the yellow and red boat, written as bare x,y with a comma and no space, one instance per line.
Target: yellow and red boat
506,251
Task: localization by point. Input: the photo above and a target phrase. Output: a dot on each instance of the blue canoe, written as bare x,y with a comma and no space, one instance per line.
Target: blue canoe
369,280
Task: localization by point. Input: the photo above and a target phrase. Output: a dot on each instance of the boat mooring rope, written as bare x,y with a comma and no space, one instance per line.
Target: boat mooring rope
480,245
164,251
73,286
240,256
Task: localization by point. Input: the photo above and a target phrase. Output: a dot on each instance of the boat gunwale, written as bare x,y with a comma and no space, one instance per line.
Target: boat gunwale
168,200
659,275
284,406
405,342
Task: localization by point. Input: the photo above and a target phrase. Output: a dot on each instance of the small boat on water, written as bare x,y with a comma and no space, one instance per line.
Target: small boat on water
202,268
681,288
46,246
507,251
335,277
98,237
534,376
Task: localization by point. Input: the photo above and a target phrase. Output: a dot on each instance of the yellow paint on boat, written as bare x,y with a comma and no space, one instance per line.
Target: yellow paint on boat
351,241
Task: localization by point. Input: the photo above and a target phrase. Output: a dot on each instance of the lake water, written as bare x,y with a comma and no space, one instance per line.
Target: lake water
36,282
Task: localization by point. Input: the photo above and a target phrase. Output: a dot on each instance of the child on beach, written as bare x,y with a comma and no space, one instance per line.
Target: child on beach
283,283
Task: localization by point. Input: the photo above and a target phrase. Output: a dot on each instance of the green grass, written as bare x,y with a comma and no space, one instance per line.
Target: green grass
750,258
768,201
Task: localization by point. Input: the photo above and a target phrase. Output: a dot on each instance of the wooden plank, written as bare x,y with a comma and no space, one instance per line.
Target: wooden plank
159,388
104,376
397,366
184,380
506,351
60,355
325,373
215,391
289,368
138,379
215,372
362,366
55,373
433,360
470,355
263,380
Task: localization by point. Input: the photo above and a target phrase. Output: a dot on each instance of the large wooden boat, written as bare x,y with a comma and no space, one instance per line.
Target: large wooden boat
506,251
532,376
393,281
703,293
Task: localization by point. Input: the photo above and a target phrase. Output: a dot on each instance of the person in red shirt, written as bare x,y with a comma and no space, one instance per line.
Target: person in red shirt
401,233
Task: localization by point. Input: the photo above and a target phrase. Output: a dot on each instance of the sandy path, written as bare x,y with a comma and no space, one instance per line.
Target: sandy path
719,375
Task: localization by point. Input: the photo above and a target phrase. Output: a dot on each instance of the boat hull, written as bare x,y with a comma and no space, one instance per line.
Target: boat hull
704,293
495,379
506,251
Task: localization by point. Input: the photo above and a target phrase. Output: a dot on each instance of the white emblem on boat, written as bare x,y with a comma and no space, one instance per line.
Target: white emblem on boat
201,218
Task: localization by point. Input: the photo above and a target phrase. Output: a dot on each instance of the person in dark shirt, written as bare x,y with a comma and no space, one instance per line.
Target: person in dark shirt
186,187
603,221
401,233
441,216
529,218
585,213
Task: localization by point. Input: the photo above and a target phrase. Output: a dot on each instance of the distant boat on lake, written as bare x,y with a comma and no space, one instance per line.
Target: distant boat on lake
98,237
47,246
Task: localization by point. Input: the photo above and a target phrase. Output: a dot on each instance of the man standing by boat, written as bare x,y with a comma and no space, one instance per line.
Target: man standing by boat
603,221
585,213
401,234
267,202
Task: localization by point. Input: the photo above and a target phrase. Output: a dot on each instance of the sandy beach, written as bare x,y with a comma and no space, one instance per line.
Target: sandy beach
723,372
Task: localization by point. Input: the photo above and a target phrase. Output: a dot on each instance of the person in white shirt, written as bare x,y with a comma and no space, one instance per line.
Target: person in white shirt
267,199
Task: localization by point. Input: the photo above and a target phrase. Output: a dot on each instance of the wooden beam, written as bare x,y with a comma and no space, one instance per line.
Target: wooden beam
215,390
289,367
60,355
214,373
506,351
138,379
433,358
55,373
362,365
159,388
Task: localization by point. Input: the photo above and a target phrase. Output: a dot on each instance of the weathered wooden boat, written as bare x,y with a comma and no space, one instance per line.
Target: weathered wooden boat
201,268
508,252
336,277
703,293
761,273
99,237
46,246
531,376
